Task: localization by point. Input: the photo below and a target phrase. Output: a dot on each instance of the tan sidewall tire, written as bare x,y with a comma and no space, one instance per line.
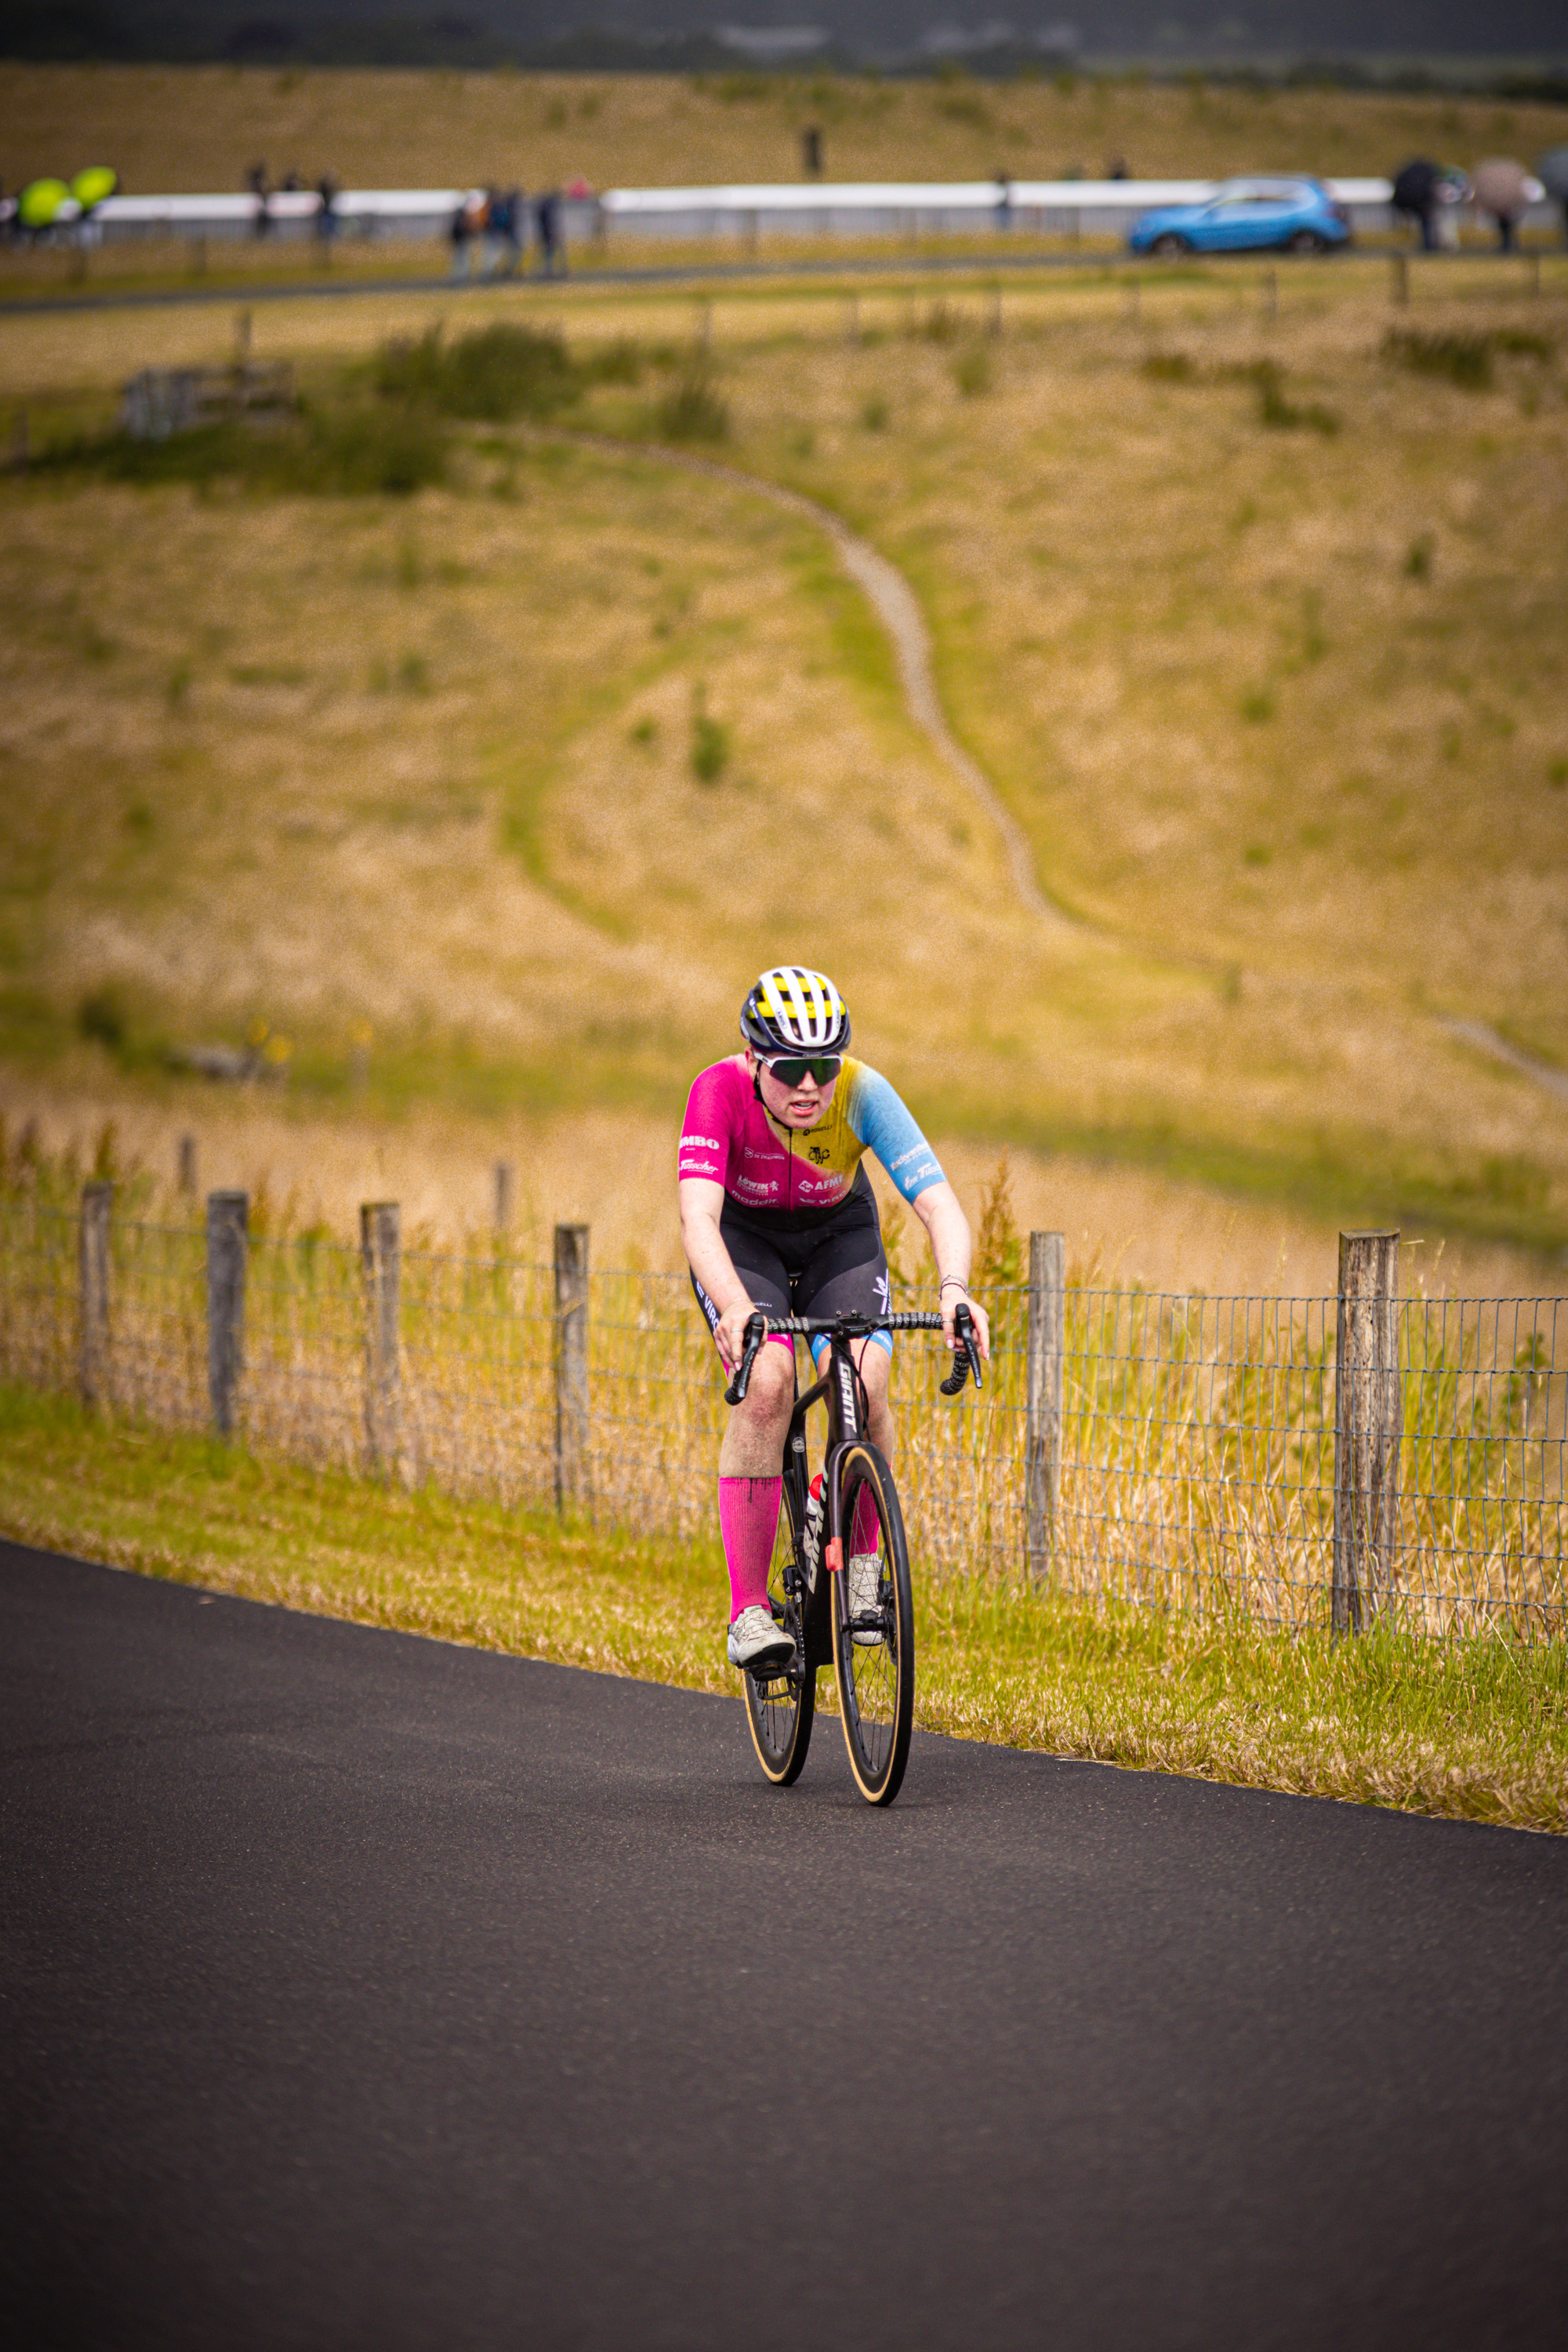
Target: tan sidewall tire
864,1455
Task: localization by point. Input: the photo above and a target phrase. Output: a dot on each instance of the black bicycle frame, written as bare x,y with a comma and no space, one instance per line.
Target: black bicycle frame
841,1388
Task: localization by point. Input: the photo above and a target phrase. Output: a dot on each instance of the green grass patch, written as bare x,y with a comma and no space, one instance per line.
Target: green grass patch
361,450
1478,1730
692,410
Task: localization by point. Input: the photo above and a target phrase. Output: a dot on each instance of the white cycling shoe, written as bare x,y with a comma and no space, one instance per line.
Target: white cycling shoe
757,1643
864,1571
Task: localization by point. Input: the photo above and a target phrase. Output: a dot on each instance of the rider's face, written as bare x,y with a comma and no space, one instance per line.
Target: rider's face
800,1105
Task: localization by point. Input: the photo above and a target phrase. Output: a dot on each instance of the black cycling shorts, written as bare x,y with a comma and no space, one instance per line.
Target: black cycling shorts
832,1265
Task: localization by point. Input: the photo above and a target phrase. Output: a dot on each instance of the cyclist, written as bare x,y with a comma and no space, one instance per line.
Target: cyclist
776,1211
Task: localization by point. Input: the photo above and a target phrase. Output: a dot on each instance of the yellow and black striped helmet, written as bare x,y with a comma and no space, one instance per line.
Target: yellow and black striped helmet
793,1011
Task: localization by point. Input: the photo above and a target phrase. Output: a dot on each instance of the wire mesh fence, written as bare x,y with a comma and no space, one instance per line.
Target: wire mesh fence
1198,1445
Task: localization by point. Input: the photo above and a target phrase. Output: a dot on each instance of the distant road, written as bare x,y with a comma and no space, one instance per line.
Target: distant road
328,287
364,1991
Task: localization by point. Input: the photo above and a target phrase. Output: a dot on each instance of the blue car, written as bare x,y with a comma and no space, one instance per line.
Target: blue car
1247,215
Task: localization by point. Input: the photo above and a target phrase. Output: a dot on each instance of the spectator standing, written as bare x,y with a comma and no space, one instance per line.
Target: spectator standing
326,215
547,227
490,242
506,219
1453,192
260,187
467,232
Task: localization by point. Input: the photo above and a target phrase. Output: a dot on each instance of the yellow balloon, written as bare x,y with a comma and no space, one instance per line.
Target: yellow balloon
39,203
92,186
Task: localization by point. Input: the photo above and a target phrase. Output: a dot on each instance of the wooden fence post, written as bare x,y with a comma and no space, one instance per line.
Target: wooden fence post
228,1220
503,1195
1369,1425
96,1199
1399,278
1042,1428
381,1253
571,1366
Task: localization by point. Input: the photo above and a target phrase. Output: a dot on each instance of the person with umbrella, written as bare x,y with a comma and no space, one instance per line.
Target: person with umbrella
1552,171
1506,190
1416,195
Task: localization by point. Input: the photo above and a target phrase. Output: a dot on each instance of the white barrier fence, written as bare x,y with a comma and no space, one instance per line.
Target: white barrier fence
742,214
937,208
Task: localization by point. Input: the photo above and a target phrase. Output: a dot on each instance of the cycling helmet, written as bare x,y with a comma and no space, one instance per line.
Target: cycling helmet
792,1011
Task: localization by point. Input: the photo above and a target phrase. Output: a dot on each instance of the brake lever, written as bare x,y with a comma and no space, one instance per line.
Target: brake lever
756,1332
966,1354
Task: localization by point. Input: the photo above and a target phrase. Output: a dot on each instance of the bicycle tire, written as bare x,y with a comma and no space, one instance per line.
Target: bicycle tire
782,1707
874,1652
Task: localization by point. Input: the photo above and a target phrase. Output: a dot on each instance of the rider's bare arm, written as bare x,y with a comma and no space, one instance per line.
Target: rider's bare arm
701,1205
939,1212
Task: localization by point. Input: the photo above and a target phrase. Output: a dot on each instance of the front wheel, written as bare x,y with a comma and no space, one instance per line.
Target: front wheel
1167,246
781,1704
873,1626
1307,240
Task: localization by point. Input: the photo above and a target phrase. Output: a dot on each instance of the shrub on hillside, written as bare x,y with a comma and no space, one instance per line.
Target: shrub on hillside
495,373
1461,359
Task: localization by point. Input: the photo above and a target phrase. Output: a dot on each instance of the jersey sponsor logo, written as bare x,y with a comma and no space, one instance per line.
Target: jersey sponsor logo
819,1155
913,1153
699,1168
700,1143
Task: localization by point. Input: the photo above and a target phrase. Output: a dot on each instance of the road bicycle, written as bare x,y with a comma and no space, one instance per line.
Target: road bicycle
867,1637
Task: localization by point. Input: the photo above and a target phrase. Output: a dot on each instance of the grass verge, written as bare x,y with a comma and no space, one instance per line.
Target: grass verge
1477,1732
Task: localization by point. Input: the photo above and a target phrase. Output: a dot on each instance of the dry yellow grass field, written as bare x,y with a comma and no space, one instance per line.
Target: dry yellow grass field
199,128
427,764
612,1171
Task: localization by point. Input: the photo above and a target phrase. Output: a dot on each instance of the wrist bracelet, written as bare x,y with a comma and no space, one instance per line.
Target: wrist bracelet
946,1278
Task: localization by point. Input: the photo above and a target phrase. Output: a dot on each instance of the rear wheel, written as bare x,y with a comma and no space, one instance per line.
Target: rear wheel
1168,245
874,1628
781,1703
1307,240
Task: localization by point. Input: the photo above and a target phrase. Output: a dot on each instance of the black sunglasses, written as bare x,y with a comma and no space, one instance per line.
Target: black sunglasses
789,1071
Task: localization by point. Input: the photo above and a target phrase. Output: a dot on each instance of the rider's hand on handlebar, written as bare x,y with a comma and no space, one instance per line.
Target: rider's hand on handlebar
731,1331
953,1297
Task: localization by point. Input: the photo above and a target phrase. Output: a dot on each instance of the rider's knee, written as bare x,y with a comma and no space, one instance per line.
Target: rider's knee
772,1391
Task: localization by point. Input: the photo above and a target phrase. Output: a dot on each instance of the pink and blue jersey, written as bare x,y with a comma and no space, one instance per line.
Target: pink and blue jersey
729,1139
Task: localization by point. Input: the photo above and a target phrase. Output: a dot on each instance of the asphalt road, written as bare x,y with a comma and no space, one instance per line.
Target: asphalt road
364,1992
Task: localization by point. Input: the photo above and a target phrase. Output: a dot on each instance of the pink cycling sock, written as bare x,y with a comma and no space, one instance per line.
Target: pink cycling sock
866,1535
748,1520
